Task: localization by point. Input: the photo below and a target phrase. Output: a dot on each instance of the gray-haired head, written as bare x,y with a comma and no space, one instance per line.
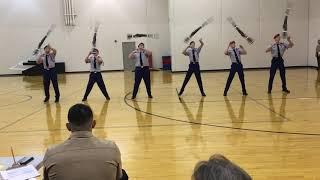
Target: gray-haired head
219,167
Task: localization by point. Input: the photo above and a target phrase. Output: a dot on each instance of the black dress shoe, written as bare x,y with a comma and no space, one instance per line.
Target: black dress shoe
224,94
133,97
46,99
269,92
108,98
286,91
150,96
203,94
245,93
57,99
84,99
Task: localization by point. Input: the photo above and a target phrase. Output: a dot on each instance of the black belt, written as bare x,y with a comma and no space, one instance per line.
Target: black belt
142,66
194,62
277,58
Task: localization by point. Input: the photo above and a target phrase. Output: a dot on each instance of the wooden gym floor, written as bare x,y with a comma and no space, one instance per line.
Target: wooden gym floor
272,137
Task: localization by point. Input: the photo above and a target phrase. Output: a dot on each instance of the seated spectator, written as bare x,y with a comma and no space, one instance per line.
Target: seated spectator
83,156
219,168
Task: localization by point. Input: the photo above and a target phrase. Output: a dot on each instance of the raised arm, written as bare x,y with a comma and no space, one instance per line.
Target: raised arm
53,52
87,60
39,59
131,55
226,52
184,52
291,44
201,45
147,52
99,60
243,51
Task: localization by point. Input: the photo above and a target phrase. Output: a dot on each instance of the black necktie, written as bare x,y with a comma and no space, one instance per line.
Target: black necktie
94,62
236,55
194,55
47,61
141,62
279,54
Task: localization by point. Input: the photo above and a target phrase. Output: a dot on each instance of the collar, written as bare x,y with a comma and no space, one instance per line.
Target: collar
81,134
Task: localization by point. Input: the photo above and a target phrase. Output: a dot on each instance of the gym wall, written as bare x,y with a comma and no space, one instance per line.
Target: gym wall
24,22
260,19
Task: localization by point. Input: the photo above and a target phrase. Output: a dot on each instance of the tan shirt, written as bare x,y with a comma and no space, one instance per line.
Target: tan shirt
83,157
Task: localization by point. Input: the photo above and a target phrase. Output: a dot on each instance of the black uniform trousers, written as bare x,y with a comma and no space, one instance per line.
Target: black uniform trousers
318,59
275,64
50,75
142,73
96,77
193,68
236,68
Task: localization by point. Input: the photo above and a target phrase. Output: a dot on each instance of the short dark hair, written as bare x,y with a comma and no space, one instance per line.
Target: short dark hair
276,36
80,115
46,46
191,42
95,49
219,168
232,42
141,44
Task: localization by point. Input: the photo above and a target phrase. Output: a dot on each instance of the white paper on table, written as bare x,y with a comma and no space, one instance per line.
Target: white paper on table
25,172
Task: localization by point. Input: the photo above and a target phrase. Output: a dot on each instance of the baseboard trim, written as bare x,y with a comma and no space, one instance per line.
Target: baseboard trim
251,69
213,70
10,75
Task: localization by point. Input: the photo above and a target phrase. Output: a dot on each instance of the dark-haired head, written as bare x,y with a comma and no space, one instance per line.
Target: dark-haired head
95,51
192,44
232,44
80,118
219,168
277,37
141,46
47,48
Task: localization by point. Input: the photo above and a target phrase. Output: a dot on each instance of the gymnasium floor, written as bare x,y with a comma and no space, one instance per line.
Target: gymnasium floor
272,137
